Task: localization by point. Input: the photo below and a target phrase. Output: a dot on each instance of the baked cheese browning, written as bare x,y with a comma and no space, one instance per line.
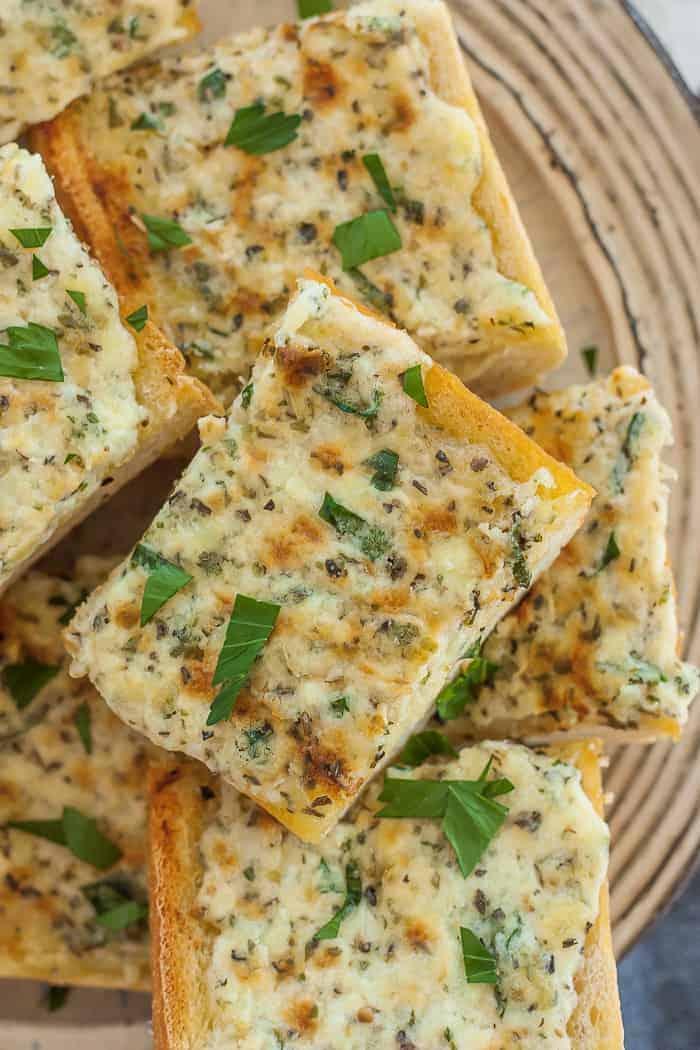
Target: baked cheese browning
82,404
64,748
596,640
393,974
52,51
385,79
379,590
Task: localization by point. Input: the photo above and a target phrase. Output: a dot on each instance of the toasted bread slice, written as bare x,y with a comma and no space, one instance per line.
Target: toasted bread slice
388,536
54,52
61,747
596,641
113,398
237,903
385,78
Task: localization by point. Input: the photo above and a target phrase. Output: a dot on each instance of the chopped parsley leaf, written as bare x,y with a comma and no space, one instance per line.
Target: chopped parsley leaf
373,163
479,964
164,234
590,359
212,85
165,579
385,464
310,8
32,353
78,298
257,132
83,723
77,833
249,628
611,552
38,268
32,236
463,690
367,237
413,385
25,681
422,745
56,997
371,540
353,896
138,318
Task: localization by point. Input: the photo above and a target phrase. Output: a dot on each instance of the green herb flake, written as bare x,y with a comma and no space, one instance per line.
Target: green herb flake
38,268
165,579
25,681
373,163
249,873
371,540
114,903
32,236
311,8
247,395
470,817
590,359
138,318
611,552
32,353
352,408
78,298
628,452
147,122
257,132
56,997
422,745
479,964
340,706
518,561
463,690
249,628
385,464
367,237
353,896
83,723
212,85
381,301
164,234
77,833
413,385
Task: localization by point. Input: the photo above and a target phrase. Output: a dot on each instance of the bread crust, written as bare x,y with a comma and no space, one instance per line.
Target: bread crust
179,1010
95,201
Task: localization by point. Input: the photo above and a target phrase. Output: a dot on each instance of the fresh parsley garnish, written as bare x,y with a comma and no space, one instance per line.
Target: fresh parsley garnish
367,237
624,461
247,395
373,163
470,817
413,385
38,268
212,85
518,561
422,745
83,723
353,896
371,540
33,236
78,298
164,580
164,234
77,833
385,464
330,391
479,964
56,997
249,628
329,881
24,681
463,690
138,318
147,122
310,8
114,903
340,706
590,359
381,301
611,552
31,353
257,132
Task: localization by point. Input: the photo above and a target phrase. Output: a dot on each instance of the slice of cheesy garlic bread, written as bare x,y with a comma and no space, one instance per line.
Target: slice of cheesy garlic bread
352,144
330,552
72,797
86,400
481,926
596,641
52,51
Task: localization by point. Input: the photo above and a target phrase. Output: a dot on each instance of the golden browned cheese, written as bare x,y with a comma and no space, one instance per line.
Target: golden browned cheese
385,78
391,536
63,747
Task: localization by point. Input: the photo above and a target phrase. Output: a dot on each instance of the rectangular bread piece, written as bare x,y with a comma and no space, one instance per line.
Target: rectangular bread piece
596,640
386,77
50,929
52,51
389,536
86,402
237,902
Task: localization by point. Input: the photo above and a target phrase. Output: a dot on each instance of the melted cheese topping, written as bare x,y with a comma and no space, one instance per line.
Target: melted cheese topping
58,441
52,51
594,641
362,81
394,975
376,618
47,926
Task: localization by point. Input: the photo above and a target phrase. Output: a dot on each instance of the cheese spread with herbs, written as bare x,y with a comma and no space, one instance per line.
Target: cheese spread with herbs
394,976
596,639
52,51
59,440
49,928
361,83
387,543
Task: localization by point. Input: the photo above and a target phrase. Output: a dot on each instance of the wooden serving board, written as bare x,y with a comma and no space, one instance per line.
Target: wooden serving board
603,153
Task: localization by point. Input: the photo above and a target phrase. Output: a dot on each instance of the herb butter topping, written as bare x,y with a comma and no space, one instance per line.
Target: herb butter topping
412,953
